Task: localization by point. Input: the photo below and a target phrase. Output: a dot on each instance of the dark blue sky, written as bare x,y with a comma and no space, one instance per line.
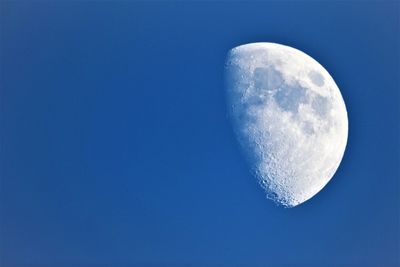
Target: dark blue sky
116,148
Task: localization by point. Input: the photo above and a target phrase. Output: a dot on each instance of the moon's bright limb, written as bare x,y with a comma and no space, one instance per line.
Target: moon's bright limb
289,116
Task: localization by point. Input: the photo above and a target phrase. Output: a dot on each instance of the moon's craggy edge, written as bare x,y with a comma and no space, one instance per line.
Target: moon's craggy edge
267,88
238,119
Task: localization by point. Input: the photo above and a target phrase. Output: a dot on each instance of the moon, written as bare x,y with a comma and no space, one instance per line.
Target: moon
289,117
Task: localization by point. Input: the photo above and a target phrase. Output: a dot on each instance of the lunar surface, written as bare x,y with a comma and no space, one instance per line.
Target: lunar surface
290,119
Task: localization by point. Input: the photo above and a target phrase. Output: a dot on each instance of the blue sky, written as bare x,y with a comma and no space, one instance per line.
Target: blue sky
117,150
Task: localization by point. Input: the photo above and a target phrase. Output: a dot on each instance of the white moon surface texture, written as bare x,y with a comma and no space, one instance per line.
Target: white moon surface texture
290,119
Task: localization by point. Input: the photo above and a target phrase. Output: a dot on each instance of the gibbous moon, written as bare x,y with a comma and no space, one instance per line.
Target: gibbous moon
290,119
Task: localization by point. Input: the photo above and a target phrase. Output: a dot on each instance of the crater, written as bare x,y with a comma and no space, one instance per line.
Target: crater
289,97
320,105
316,78
267,79
308,128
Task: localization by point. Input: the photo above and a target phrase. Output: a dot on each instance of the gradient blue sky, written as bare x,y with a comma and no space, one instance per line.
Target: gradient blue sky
116,148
